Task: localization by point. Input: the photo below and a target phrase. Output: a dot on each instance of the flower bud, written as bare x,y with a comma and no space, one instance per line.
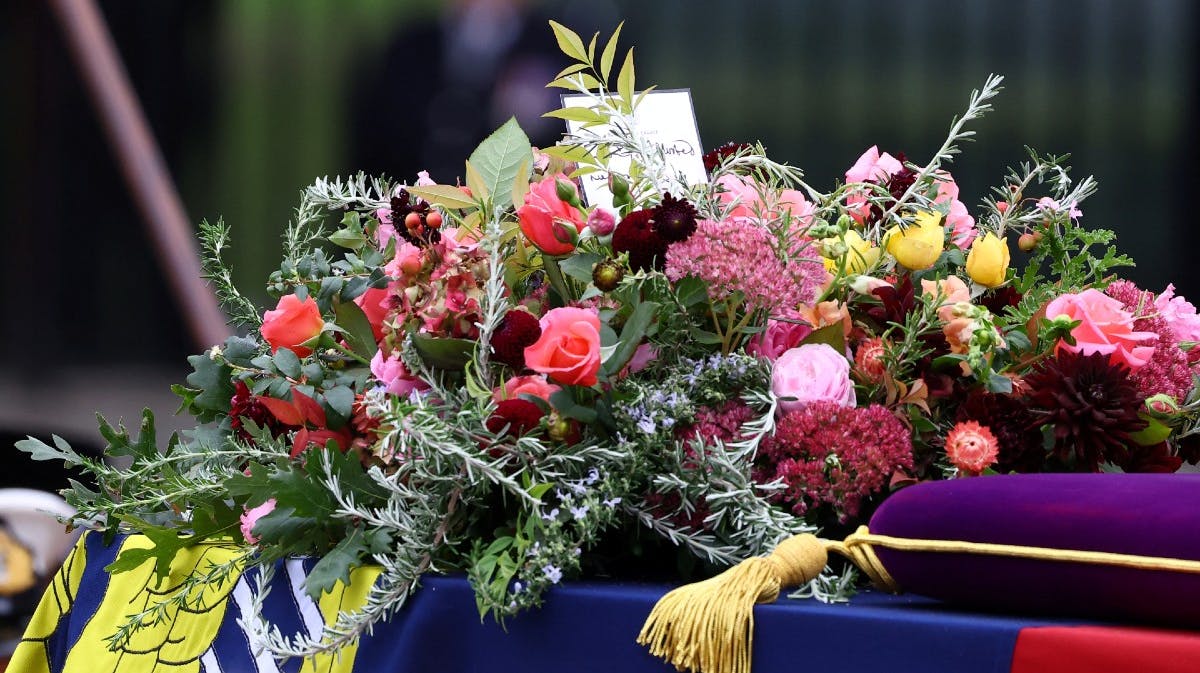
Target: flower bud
987,263
607,275
1027,242
566,191
602,221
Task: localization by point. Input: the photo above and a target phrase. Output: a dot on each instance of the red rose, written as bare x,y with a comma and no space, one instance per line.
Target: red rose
292,323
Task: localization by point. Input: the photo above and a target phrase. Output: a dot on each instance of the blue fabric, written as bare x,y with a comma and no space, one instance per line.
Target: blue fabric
592,626
587,627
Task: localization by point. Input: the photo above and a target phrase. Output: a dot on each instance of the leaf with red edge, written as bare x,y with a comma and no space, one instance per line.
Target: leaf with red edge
286,412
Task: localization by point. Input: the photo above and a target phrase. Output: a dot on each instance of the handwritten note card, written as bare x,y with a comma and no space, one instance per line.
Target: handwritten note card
665,118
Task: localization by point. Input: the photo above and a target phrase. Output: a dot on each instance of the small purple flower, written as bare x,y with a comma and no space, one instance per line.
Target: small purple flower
553,573
612,502
552,515
579,512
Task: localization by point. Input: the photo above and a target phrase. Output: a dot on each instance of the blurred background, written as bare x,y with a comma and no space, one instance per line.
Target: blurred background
251,99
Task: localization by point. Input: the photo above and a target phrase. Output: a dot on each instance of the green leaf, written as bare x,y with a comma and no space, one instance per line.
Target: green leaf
475,182
335,565
831,335
444,353
564,402
212,379
579,266
625,79
578,114
166,543
240,350
447,196
39,450
591,50
631,336
570,70
287,362
610,51
348,238
341,401
497,159
520,184
569,42
358,333
691,291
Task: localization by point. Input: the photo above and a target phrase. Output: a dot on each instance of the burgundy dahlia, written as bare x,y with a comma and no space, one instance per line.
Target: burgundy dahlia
714,157
517,330
635,235
1092,406
674,219
245,405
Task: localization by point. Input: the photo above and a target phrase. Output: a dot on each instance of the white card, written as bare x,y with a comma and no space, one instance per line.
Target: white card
665,117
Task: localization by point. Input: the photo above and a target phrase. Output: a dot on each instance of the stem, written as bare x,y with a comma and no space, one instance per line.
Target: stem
351,354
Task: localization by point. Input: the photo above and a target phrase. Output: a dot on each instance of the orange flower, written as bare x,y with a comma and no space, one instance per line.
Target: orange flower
972,447
568,351
292,323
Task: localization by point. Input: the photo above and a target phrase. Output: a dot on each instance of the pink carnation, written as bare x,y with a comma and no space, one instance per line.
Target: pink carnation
827,454
739,256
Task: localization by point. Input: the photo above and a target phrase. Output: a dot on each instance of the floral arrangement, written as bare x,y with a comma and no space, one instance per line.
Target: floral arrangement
493,378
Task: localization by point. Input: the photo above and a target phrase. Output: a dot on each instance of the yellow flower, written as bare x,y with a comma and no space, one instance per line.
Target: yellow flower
858,253
919,245
987,263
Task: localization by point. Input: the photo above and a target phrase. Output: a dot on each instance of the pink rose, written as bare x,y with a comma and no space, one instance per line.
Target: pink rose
1105,327
251,517
292,323
533,385
1180,315
568,351
602,221
812,373
391,372
747,202
779,337
547,221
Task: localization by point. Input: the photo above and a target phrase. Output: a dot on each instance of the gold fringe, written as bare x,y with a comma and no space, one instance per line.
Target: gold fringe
708,627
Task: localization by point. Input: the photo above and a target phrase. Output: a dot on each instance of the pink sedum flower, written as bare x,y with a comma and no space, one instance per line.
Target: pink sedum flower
812,373
251,517
1105,327
391,372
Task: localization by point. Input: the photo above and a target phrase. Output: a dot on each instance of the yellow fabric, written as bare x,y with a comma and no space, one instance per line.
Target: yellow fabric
30,655
177,644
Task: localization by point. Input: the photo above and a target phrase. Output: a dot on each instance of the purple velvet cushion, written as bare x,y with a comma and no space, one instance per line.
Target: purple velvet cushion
1142,514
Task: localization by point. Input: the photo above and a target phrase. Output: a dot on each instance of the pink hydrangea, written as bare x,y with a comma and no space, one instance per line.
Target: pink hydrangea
739,256
827,454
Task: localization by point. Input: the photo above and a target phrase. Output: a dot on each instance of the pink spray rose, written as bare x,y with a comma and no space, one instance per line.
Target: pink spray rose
568,351
545,218
602,221
1180,315
534,385
1105,327
812,373
391,372
251,517
749,203
778,338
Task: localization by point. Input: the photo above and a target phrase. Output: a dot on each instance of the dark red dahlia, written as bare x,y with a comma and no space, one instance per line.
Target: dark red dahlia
518,329
1012,423
714,157
674,219
1001,298
1155,458
1092,406
410,218
244,406
519,415
635,235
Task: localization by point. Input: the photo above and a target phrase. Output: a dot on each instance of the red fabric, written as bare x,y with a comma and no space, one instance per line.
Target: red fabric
1105,649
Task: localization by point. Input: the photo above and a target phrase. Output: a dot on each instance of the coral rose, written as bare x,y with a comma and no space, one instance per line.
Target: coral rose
546,220
568,350
534,385
1104,327
292,323
812,373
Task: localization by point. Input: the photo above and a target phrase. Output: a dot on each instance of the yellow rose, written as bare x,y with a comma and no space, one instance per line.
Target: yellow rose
987,263
919,245
858,253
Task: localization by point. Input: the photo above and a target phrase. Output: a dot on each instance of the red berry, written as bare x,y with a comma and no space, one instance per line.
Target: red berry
433,220
412,222
1027,242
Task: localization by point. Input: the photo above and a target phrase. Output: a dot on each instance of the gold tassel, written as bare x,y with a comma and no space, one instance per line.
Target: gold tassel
709,626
